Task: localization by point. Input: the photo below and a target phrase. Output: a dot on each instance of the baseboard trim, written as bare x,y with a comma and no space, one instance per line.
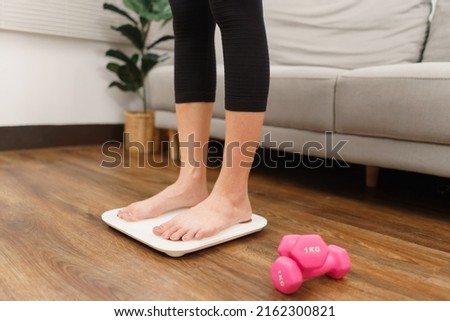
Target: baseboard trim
43,136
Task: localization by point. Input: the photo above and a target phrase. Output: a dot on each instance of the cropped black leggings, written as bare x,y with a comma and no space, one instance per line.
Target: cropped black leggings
246,56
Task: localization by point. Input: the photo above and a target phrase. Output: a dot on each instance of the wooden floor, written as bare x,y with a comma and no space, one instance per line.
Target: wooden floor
54,245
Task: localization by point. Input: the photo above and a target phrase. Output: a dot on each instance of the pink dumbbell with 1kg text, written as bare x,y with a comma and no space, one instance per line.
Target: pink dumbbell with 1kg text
306,256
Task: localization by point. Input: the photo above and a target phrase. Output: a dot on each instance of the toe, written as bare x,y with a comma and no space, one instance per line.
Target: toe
159,230
189,235
130,217
166,229
123,214
169,232
201,234
179,234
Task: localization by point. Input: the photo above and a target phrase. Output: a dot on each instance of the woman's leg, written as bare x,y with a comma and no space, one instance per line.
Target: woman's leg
246,90
195,82
193,121
228,203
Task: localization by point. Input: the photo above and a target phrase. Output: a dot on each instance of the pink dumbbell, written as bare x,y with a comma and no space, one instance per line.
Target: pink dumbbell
288,272
309,251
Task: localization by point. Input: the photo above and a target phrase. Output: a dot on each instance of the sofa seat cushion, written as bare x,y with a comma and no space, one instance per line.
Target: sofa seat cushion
160,85
346,34
302,97
405,102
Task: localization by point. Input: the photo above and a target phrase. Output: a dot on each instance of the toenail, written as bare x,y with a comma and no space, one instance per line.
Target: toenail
122,213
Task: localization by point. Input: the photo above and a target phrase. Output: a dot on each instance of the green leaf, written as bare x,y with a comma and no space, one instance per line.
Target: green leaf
119,55
151,10
113,67
131,76
144,22
163,10
129,73
111,7
138,6
148,62
119,85
133,34
135,58
158,16
163,38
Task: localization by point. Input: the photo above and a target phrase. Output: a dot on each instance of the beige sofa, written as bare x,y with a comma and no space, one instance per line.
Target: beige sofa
372,75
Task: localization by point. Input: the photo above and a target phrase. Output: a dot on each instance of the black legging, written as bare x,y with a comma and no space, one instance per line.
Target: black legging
246,56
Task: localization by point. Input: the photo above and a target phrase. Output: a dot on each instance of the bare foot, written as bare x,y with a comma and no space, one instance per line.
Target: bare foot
206,219
177,195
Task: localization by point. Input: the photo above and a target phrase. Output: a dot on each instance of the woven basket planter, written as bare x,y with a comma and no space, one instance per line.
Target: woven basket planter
141,134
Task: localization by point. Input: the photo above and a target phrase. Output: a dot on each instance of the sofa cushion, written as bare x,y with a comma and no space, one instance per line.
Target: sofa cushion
346,34
407,102
160,86
438,43
302,97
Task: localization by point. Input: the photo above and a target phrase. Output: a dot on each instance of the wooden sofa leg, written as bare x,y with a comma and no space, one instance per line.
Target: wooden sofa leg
372,174
174,152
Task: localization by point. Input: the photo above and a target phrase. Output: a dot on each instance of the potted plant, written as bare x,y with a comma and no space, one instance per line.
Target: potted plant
132,70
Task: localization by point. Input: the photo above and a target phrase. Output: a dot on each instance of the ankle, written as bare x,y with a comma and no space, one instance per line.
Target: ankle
193,175
237,196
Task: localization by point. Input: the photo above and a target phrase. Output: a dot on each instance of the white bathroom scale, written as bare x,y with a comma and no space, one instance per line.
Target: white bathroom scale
142,232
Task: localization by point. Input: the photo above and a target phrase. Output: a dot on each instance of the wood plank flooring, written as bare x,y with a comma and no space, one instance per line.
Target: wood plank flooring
54,245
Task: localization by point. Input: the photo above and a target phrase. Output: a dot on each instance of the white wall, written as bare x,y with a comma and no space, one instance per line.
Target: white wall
52,80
